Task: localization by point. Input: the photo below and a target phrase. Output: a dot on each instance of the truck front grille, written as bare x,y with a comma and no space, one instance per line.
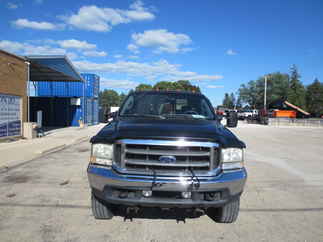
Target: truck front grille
167,156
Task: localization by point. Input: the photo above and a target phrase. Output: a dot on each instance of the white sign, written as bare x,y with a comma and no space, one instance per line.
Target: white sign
10,121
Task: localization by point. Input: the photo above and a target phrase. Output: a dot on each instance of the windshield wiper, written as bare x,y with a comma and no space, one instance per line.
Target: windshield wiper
143,116
191,116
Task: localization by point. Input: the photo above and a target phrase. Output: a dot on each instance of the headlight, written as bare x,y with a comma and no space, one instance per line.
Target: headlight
232,158
102,154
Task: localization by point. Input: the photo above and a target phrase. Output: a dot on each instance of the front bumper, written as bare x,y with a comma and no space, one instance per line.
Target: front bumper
108,185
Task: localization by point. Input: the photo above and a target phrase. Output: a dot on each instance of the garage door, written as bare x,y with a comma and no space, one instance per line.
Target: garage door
10,115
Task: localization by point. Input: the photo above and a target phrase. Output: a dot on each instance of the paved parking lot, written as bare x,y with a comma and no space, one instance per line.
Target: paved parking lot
48,199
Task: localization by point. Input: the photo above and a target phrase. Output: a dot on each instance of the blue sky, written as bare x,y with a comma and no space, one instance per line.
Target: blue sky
218,45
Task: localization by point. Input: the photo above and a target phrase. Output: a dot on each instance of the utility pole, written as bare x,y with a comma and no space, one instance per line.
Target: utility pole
265,94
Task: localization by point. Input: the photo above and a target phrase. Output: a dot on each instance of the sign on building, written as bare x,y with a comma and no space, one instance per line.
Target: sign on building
10,115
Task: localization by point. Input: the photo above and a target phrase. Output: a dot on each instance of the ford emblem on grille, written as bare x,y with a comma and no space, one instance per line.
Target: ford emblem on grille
167,159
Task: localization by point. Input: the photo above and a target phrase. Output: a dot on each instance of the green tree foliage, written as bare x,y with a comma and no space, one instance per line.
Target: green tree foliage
229,101
122,97
314,98
252,93
296,91
143,87
239,103
181,85
109,98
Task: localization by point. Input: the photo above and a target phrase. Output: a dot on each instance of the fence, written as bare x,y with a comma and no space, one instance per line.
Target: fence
311,122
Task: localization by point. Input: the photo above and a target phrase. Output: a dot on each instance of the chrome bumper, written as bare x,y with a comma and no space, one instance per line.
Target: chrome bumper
100,178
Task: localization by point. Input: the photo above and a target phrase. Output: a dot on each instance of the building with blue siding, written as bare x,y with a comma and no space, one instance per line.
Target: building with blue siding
67,103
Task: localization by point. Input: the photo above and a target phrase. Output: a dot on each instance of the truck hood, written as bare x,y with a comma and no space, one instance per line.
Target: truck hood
137,128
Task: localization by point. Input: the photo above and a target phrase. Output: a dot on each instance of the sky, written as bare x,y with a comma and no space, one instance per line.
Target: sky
215,44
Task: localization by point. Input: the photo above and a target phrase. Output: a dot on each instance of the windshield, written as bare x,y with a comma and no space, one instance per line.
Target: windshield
167,105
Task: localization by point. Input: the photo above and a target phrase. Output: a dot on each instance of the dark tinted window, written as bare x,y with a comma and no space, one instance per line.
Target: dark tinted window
167,105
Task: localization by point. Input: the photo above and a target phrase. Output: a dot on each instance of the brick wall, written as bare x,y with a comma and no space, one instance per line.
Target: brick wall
13,78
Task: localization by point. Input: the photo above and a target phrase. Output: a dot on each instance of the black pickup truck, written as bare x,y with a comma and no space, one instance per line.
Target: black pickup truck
166,149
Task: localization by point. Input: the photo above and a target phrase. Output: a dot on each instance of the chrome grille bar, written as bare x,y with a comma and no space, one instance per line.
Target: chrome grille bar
167,152
145,155
177,164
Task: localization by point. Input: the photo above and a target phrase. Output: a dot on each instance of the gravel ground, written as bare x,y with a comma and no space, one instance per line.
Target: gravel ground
48,199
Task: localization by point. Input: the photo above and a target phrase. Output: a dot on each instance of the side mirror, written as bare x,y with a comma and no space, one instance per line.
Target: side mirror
114,114
111,116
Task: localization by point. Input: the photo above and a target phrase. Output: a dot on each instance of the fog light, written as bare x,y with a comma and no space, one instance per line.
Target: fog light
186,194
147,193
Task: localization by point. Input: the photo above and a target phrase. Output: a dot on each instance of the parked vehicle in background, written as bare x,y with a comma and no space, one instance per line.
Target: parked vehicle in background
221,111
249,113
167,149
240,114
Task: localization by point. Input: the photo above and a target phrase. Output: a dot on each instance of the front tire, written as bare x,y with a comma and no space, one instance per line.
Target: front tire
99,209
228,213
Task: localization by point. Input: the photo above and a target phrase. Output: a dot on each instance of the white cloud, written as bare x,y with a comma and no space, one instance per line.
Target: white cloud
133,48
25,23
11,46
29,49
12,6
215,86
76,44
161,40
103,19
94,53
53,47
118,56
161,70
138,12
123,84
231,52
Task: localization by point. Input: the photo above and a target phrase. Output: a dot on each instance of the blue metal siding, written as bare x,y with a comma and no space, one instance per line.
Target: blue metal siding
95,111
62,113
44,89
70,89
89,111
75,89
92,85
60,89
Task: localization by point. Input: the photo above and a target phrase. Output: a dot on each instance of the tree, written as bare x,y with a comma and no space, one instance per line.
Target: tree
226,100
229,101
252,93
314,98
109,98
232,101
239,103
122,97
296,90
164,85
182,85
142,87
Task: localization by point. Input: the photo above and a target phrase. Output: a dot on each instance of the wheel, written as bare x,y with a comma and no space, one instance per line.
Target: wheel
228,213
99,209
